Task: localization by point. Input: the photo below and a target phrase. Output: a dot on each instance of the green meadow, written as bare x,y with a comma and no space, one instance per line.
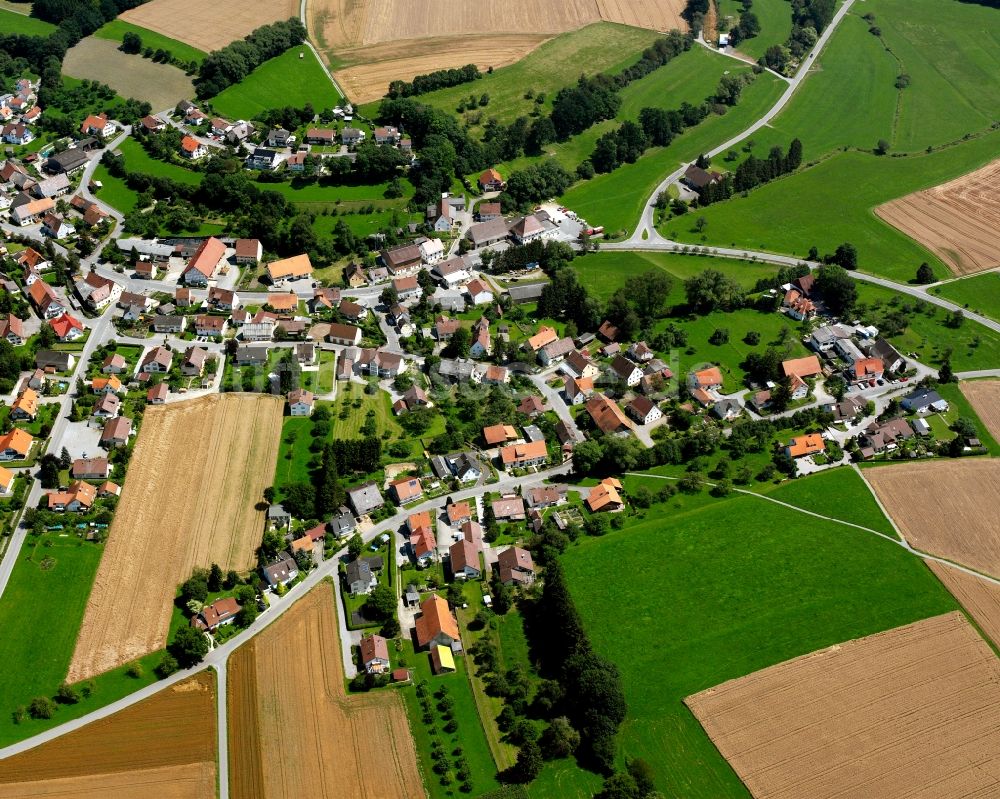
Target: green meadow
117,28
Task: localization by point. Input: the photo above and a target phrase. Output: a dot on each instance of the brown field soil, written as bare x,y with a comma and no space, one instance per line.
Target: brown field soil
957,221
163,746
980,598
905,713
293,731
161,85
197,474
984,396
947,508
377,42
213,26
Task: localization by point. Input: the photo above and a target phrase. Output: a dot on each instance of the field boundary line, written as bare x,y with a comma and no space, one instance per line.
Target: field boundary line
305,24
878,502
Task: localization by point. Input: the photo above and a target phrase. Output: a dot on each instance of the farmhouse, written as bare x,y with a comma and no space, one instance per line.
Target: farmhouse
222,611
204,262
606,414
516,567
67,162
295,268
402,261
643,410
698,178
436,626
32,211
533,453
55,360
484,234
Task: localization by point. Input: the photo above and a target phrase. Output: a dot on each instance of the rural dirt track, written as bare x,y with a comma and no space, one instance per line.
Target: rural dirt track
161,747
905,713
980,598
384,40
129,75
209,27
946,507
198,471
984,396
292,730
957,221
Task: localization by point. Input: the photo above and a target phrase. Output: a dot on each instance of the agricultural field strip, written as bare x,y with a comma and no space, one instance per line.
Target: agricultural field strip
903,543
221,653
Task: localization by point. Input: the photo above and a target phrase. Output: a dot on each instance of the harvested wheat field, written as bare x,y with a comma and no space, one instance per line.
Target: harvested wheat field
957,221
213,26
161,85
197,475
163,746
905,713
980,598
382,40
947,508
984,396
293,731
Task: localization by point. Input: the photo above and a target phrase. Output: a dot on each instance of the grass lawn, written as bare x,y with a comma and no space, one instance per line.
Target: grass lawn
772,584
960,407
603,273
352,396
48,591
13,22
293,453
839,493
321,382
615,200
138,160
831,203
469,735
775,19
602,47
114,191
117,28
329,196
972,346
285,80
980,294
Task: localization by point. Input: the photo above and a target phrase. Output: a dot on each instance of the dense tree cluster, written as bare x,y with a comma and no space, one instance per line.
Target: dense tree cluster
439,79
753,172
712,290
231,64
535,183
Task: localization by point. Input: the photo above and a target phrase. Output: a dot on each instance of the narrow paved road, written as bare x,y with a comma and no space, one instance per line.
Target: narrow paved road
222,720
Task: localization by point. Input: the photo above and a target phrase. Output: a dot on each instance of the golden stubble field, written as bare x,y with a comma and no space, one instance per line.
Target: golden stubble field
190,499
162,747
161,85
945,507
980,598
905,713
984,396
293,731
211,26
957,221
377,41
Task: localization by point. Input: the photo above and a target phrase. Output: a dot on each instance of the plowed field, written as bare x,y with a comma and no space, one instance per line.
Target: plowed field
197,474
162,747
384,40
293,732
948,508
212,26
980,598
957,221
905,713
984,396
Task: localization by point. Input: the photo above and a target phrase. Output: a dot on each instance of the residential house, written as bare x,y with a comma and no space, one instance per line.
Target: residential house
158,360
466,468
278,137
248,251
727,409
192,148
697,178
56,227
12,329
423,544
848,350
263,159
79,497
406,489
286,302
107,406
516,567
892,361
322,136
640,352
491,180
97,125
406,286
67,327
605,496
924,400
204,262
6,481
17,133
643,410
445,328
96,291
300,402
260,328
358,577
531,406
606,414
57,361
520,456
324,299
881,437
152,124
374,654
825,338
116,432
706,379
104,385
31,212
282,571
157,395
351,136
298,267
208,325
386,135
223,299
145,270
436,626
91,469
508,509
211,617
169,324
623,369
866,370
847,408
797,305
459,370
365,498
354,276
541,497
481,344
487,211
555,351
56,186
193,362
545,336
15,445
499,434
577,390
381,363
809,444
25,407
431,250
582,365
496,375
463,559
239,133
530,228
458,513
451,272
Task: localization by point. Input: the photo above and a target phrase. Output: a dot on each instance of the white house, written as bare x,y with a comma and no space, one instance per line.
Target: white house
431,251
479,292
300,402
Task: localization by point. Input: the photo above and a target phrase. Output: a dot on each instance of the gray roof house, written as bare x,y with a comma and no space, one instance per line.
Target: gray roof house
924,400
365,498
466,468
343,523
277,516
282,571
359,578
